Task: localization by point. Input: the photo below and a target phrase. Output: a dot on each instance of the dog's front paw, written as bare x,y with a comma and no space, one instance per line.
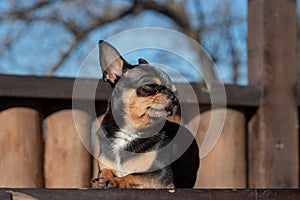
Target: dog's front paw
128,181
115,182
104,180
96,184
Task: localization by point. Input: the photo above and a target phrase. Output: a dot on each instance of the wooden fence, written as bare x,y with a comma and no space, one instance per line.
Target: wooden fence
33,105
258,147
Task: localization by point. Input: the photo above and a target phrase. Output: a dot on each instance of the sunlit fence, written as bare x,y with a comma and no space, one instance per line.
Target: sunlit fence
40,144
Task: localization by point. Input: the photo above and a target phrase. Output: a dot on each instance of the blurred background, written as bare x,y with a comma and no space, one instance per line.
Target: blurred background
53,37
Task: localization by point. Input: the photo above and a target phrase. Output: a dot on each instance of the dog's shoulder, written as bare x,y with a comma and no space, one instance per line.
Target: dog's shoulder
171,129
186,166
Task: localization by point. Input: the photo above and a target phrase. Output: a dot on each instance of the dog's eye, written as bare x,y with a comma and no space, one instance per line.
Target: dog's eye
147,90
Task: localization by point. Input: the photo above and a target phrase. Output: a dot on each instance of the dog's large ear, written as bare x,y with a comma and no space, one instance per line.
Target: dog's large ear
143,61
111,62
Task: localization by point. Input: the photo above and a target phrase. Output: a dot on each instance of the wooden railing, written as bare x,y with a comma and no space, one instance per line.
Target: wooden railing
208,194
33,107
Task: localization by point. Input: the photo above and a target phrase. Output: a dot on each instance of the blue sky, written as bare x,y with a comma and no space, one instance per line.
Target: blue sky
33,54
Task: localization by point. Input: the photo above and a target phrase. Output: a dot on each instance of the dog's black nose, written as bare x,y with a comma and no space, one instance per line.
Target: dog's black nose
173,100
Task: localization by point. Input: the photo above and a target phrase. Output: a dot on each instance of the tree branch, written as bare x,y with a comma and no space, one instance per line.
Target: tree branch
98,22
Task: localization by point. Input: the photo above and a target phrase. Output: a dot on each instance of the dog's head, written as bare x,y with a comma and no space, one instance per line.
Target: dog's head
143,95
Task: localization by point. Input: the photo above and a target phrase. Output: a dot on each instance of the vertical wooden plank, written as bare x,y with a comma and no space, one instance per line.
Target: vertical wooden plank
96,146
21,148
68,163
273,130
225,165
255,41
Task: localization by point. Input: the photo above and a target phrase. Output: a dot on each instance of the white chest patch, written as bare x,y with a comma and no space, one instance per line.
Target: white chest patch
123,139
136,162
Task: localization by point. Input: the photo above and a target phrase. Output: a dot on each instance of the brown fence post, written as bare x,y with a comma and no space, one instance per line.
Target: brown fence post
21,148
273,130
67,161
96,146
225,165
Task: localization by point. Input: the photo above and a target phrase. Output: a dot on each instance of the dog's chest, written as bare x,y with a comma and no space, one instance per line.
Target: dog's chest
126,159
123,139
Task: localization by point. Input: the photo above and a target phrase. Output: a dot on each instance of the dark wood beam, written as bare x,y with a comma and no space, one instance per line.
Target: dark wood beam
111,194
54,88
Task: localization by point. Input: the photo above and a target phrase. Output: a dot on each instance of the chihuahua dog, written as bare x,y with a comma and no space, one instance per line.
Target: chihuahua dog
139,147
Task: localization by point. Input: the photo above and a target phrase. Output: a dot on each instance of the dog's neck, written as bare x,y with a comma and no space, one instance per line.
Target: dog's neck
126,137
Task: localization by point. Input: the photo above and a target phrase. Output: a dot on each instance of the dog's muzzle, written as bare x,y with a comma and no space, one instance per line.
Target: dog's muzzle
164,110
172,104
